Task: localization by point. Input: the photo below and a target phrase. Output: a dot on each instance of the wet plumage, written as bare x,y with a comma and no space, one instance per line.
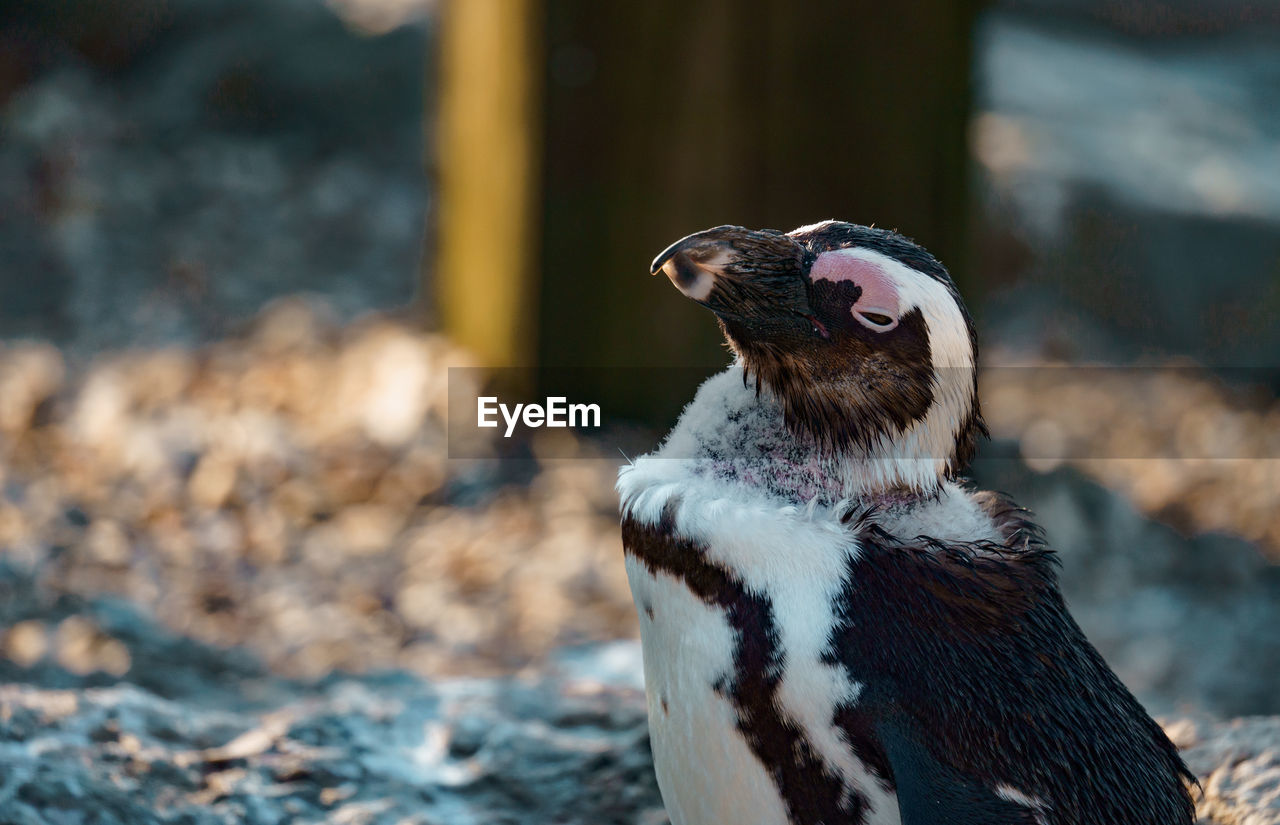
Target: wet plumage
835,630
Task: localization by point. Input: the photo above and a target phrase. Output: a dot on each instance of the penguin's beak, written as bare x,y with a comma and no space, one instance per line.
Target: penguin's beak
695,263
753,279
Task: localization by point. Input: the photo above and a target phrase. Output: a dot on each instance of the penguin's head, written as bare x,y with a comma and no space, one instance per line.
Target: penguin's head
859,332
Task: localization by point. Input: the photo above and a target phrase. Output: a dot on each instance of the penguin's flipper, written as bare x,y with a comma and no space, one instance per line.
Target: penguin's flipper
931,792
979,691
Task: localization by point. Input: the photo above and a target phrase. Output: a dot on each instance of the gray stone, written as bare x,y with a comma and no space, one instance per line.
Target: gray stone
371,750
252,149
1238,764
1186,621
567,743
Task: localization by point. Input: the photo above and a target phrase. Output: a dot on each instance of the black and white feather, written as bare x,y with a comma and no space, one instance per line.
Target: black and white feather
834,629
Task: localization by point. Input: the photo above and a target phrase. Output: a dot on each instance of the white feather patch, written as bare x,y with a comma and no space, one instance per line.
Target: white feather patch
799,558
952,515
1011,794
757,442
706,770
919,456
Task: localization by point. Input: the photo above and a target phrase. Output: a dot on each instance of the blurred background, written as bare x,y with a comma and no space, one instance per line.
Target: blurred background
243,241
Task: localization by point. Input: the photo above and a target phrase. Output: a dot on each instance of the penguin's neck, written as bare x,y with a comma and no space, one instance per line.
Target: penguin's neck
737,435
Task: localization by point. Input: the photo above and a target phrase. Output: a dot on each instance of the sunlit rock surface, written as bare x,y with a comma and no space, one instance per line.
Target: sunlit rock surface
375,749
1238,764
565,744
290,491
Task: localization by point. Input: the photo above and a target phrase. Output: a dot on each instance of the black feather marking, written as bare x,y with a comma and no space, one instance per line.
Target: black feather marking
976,675
847,389
851,390
813,795
931,793
830,235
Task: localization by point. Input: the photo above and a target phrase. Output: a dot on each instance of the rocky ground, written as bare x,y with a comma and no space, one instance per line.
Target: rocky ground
244,582
1197,450
216,739
386,748
168,166
1238,764
290,491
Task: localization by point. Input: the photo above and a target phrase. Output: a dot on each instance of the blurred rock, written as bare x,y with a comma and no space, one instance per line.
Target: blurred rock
169,167
1129,184
60,641
385,748
1164,18
109,34
1238,764
557,745
381,16
1188,446
290,489
1188,622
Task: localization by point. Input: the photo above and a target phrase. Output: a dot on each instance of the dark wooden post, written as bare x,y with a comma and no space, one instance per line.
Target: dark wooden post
663,117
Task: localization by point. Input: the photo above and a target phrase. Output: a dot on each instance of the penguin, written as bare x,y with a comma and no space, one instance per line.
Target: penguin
835,629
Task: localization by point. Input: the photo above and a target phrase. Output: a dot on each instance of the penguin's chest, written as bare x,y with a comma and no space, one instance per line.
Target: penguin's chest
742,706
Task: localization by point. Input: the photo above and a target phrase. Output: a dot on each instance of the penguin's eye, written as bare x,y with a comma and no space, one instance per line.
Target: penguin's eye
878,321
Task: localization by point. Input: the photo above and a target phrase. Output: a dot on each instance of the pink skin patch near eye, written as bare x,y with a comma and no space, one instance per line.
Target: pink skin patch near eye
879,298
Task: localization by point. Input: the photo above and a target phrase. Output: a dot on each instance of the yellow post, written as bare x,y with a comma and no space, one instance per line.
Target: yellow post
487,147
